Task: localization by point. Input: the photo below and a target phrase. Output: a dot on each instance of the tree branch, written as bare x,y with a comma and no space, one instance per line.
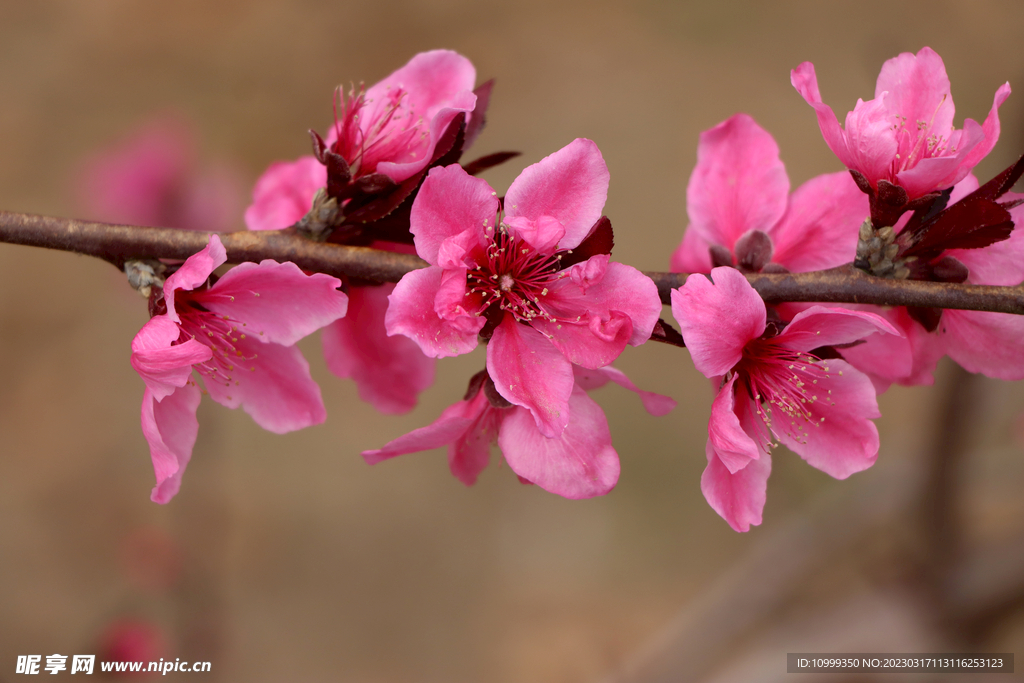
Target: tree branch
119,243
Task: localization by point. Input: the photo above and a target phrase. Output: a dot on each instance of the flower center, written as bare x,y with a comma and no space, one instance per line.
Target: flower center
785,386
370,132
917,143
220,333
515,278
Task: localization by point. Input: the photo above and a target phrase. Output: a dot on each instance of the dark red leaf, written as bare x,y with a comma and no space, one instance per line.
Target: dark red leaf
475,382
666,334
928,317
479,118
490,161
599,241
449,146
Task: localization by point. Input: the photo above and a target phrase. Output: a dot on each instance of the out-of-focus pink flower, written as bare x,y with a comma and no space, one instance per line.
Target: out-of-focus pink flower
741,212
578,463
132,640
152,178
989,343
905,135
238,334
774,387
504,271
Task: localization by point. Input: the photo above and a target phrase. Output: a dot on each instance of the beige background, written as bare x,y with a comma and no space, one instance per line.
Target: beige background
300,563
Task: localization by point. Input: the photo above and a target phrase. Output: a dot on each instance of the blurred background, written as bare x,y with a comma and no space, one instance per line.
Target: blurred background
287,558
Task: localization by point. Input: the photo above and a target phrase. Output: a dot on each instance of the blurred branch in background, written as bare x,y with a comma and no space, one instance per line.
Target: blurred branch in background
887,559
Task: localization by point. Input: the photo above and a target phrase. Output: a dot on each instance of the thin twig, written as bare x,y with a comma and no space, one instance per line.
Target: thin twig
119,243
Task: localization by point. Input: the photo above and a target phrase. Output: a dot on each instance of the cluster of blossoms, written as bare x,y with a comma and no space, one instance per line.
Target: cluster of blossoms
529,274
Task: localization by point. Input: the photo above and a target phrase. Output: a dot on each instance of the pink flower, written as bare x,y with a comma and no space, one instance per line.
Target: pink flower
394,126
774,387
374,158
238,334
284,193
509,271
905,136
989,343
741,211
578,463
152,178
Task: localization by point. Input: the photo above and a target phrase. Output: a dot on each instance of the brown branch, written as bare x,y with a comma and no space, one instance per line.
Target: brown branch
848,285
119,243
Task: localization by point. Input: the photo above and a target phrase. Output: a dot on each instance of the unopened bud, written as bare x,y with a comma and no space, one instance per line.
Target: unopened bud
144,274
754,250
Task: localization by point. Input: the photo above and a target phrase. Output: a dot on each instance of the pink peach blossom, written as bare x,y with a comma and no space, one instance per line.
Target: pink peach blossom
578,463
394,126
238,334
504,271
905,135
740,208
773,387
152,178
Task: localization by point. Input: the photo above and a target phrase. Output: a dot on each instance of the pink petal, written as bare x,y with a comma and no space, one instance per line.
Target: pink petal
692,255
731,443
592,343
453,424
805,81
439,86
739,183
909,359
470,453
587,379
390,372
738,498
273,385
820,326
284,193
195,271
170,428
450,202
839,438
411,313
918,89
277,301
717,320
595,290
990,128
163,367
989,343
468,428
578,463
871,144
570,186
820,227
543,233
938,173
529,371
